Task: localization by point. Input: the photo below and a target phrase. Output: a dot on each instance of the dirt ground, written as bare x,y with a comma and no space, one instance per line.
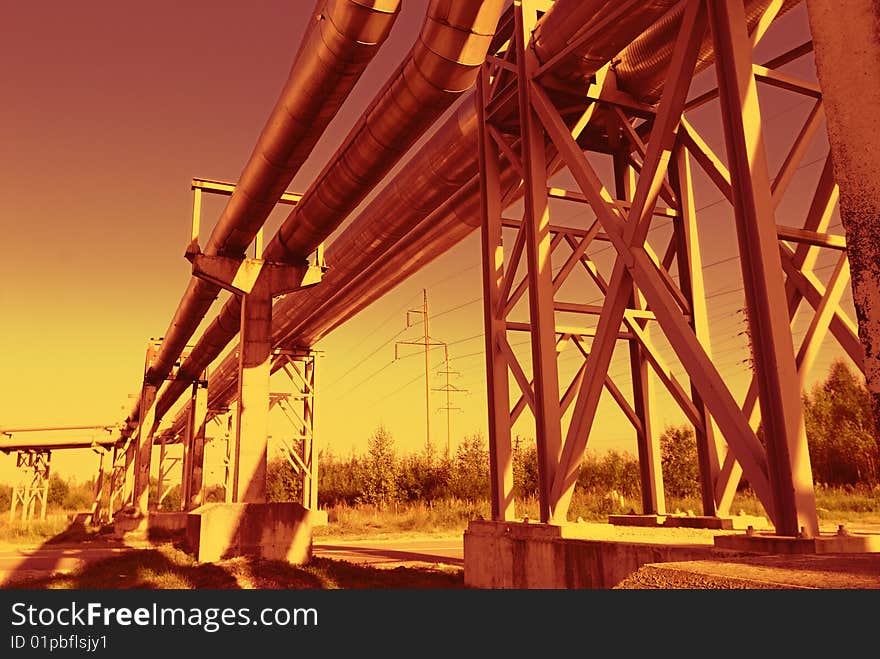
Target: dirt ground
831,571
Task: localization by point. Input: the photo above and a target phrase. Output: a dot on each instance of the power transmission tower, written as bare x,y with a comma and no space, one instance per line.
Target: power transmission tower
450,390
427,344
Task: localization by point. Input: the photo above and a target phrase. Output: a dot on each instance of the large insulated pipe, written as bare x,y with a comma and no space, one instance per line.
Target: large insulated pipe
612,24
647,57
448,161
439,169
641,66
424,240
442,64
341,39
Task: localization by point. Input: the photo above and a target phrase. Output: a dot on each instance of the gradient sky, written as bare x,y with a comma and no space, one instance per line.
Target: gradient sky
110,109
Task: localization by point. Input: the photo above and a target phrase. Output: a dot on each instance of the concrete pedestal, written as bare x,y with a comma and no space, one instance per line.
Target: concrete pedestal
825,543
274,531
739,522
152,526
532,555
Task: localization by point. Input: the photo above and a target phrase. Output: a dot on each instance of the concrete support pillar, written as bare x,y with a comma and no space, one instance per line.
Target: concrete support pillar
254,363
116,483
192,495
231,454
160,477
846,41
144,452
128,475
100,479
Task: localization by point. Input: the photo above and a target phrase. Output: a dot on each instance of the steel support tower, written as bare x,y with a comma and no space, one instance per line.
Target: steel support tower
551,144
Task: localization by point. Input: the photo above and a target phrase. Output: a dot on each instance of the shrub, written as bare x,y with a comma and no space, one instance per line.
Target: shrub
678,456
840,430
58,491
470,478
380,477
282,482
615,471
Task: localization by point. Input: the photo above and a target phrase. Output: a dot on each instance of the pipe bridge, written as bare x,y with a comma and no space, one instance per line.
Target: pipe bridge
573,133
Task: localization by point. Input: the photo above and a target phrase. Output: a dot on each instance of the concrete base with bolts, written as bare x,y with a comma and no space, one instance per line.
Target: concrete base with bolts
273,531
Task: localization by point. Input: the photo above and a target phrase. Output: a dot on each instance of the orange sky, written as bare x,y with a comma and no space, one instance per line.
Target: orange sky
108,112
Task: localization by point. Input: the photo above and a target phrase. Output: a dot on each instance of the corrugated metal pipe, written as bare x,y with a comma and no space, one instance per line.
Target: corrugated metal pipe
442,64
341,39
433,203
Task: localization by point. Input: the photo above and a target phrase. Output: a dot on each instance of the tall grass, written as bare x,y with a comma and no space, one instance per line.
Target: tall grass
453,515
36,530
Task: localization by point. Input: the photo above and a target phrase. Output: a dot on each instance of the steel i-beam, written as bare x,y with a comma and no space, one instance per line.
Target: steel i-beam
763,277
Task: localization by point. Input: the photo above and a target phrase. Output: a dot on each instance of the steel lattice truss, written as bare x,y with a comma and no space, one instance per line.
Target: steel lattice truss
531,128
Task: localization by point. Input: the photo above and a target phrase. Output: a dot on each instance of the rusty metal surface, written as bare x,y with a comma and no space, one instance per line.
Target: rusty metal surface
442,64
341,40
433,203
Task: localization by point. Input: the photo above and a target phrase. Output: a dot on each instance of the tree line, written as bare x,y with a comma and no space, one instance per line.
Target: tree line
843,450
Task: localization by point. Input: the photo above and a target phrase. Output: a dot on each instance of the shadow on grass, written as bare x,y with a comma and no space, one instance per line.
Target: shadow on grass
340,574
103,562
135,569
166,567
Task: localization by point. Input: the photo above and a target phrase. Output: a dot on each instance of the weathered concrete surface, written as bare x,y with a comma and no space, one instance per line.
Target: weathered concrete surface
768,543
846,42
729,523
531,555
762,572
275,531
151,526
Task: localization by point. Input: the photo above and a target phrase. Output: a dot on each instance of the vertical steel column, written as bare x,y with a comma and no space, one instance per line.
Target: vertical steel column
651,472
128,473
427,371
106,513
772,348
44,484
229,480
17,490
185,459
117,482
310,456
255,351
27,493
500,450
536,224
160,477
628,238
96,512
194,448
144,450
690,272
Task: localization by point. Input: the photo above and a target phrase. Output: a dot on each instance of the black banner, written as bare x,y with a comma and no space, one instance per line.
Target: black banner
166,623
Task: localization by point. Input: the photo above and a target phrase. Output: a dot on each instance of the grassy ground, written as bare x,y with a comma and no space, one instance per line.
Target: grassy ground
451,516
168,567
835,506
37,531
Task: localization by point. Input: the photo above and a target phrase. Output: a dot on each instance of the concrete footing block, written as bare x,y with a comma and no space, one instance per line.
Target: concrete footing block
273,531
768,543
531,555
152,526
728,523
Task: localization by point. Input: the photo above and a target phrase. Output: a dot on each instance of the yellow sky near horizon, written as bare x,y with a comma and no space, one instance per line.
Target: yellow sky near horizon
114,111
